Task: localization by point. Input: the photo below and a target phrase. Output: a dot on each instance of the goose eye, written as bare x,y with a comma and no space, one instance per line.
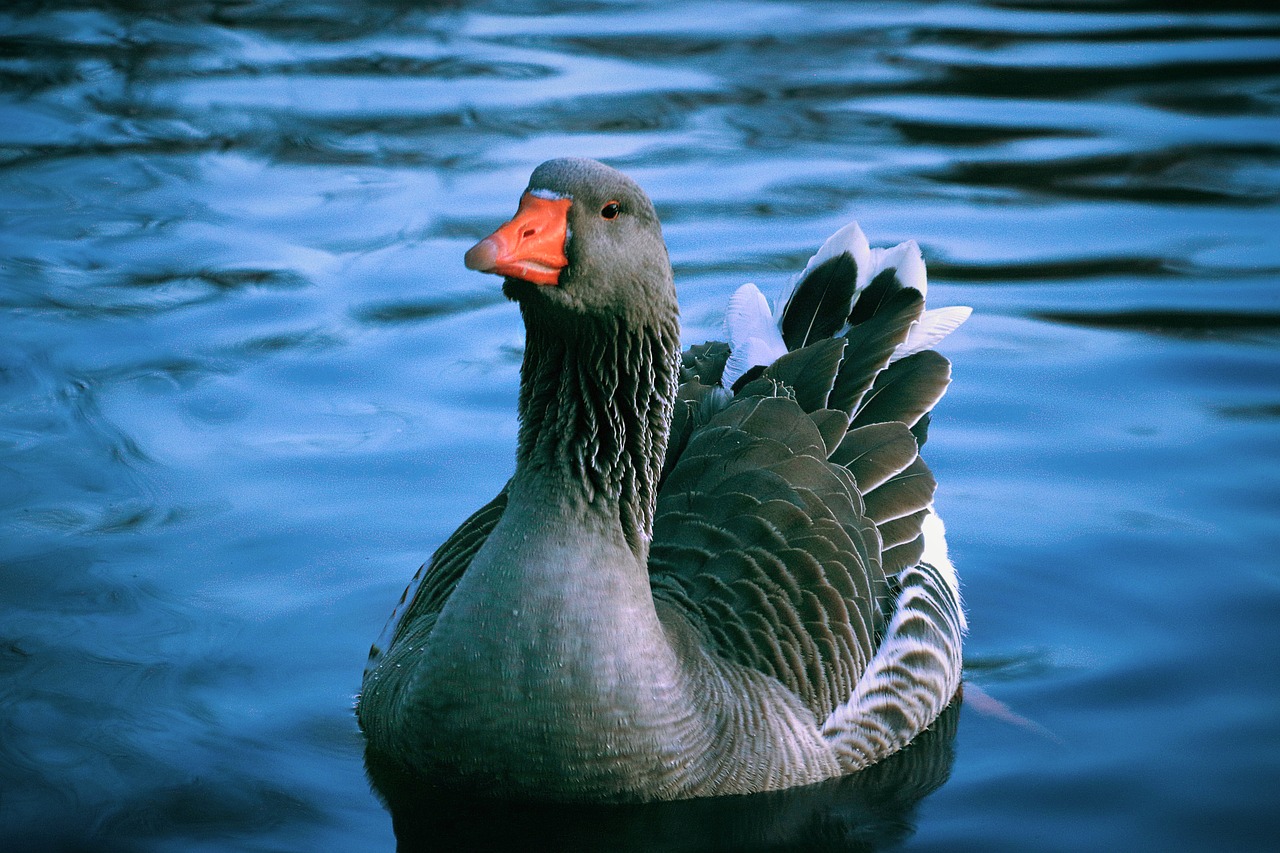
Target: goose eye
611,210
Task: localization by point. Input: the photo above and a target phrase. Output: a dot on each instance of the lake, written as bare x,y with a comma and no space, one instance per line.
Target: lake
247,386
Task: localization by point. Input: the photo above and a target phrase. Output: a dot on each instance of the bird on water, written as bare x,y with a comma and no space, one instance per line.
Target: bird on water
713,572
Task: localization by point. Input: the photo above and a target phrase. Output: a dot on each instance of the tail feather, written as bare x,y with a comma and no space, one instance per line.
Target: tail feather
933,325
871,343
906,262
753,335
848,240
820,303
884,285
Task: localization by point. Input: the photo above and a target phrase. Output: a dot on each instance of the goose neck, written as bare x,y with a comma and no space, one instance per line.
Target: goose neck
595,406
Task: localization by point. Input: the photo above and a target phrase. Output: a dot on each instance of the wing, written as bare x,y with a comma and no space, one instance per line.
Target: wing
790,519
431,586
762,544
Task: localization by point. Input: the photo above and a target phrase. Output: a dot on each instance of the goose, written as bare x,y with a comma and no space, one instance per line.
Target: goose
713,572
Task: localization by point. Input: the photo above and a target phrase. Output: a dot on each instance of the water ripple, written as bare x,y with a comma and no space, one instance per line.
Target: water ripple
1183,324
239,353
393,313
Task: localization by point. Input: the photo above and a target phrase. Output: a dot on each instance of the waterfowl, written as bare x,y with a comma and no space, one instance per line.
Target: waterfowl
712,572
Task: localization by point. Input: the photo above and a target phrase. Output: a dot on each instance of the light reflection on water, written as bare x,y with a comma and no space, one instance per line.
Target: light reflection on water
239,355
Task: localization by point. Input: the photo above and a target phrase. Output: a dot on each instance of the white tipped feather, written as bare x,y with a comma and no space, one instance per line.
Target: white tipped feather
905,258
848,239
754,337
933,325
754,331
748,315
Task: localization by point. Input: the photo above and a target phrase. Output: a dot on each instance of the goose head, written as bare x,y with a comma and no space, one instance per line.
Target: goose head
585,241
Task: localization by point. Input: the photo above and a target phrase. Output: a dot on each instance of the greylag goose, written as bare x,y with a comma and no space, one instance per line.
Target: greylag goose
715,572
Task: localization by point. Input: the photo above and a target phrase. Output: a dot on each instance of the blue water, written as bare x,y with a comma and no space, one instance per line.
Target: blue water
247,385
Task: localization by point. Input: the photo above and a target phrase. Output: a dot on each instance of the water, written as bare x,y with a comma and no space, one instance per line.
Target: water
246,384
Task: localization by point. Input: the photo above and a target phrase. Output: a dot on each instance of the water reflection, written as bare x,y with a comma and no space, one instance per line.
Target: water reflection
1240,325
871,810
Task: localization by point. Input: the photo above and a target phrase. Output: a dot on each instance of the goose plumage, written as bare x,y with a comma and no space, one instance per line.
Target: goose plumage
712,572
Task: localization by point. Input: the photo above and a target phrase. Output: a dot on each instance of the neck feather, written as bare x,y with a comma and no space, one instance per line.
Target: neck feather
595,409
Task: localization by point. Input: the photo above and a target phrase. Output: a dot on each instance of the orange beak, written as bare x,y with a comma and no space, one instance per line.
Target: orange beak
530,246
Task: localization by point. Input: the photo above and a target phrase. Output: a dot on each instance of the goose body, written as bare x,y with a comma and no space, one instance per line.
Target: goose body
715,572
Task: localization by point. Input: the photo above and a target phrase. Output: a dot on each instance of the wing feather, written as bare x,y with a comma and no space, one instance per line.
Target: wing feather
792,522
431,586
